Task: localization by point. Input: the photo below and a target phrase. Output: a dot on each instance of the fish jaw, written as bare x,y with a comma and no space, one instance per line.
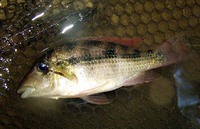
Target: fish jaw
25,91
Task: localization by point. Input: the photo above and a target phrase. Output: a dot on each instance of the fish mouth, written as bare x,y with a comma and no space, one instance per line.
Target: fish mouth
25,91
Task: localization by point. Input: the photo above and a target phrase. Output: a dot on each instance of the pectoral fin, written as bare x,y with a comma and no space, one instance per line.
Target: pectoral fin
145,77
96,99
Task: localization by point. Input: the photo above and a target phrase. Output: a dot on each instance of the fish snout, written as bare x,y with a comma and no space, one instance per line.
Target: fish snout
25,91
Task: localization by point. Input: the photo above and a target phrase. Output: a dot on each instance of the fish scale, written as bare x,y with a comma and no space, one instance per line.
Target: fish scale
72,71
106,65
119,66
83,51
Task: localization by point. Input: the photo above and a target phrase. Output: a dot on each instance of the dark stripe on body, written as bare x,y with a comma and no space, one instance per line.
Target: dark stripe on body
106,50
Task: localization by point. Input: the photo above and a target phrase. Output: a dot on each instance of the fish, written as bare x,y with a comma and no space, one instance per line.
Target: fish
88,67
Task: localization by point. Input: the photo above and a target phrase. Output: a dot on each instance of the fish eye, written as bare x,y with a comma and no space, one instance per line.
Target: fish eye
43,67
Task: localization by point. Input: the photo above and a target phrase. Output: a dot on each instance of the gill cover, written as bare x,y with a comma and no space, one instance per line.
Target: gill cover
65,72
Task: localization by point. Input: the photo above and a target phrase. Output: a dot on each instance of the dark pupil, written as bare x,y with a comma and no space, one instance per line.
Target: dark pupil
43,67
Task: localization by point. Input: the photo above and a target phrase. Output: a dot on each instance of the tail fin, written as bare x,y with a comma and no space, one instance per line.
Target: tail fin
174,51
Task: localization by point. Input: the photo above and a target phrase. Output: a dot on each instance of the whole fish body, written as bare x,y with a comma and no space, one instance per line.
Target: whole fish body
78,70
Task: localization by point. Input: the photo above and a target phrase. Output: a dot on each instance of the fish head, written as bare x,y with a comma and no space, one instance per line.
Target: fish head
47,81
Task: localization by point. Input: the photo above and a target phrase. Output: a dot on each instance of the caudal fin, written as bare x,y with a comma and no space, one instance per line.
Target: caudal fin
174,51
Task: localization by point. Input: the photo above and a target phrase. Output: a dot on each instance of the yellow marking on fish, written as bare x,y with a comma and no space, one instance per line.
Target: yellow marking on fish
65,69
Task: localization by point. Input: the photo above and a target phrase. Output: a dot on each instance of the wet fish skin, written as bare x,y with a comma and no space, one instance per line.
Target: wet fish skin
77,70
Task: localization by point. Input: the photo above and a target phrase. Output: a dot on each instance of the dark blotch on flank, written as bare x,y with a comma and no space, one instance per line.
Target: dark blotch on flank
150,51
110,50
88,57
136,53
73,60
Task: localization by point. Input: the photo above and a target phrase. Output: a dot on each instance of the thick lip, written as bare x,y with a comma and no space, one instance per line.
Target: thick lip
25,91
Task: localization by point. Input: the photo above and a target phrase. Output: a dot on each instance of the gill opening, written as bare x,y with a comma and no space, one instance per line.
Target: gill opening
71,76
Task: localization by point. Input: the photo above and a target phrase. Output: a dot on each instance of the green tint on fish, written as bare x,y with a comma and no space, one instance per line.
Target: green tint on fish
78,70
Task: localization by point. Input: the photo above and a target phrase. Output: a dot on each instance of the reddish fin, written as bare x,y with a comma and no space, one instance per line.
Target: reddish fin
130,42
96,99
145,77
174,51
